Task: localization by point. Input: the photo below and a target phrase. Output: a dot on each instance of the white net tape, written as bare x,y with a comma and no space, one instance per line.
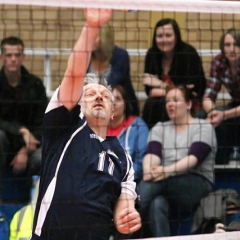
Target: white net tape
207,6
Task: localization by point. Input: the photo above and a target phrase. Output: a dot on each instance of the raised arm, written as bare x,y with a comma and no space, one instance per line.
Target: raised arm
72,85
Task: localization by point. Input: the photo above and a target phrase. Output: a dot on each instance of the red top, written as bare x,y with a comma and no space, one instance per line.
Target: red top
167,79
115,131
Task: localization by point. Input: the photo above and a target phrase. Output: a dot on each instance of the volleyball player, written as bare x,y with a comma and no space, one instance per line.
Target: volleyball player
87,182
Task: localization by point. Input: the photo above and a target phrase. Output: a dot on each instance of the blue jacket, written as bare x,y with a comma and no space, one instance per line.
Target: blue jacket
134,140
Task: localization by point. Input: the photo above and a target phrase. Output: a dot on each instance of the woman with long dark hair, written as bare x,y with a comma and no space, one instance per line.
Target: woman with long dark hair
170,61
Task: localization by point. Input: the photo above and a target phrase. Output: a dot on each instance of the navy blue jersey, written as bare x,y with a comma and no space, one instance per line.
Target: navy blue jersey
82,177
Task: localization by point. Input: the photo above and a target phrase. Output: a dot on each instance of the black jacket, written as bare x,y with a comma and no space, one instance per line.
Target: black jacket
25,107
186,68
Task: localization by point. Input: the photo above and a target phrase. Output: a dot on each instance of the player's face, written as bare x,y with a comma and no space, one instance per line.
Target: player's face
12,58
165,38
118,104
231,50
96,102
176,105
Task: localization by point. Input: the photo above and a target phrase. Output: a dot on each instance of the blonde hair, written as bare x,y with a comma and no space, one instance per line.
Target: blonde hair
106,38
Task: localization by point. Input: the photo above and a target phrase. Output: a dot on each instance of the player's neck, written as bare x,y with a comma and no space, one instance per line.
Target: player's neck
99,127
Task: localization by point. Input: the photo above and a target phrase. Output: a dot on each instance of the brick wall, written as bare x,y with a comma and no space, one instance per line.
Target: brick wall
42,27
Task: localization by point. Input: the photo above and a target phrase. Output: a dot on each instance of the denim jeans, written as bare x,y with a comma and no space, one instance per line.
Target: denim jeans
174,197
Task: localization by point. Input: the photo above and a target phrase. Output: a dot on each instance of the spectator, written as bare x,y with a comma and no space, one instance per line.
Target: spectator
178,167
87,179
225,71
113,63
22,104
131,131
170,61
21,224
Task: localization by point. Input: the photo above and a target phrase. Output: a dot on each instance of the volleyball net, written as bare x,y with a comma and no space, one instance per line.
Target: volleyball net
49,29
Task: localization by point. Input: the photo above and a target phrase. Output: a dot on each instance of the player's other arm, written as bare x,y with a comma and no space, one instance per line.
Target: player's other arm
126,218
72,85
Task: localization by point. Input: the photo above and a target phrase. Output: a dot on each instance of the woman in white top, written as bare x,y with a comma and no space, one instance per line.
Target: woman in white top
178,165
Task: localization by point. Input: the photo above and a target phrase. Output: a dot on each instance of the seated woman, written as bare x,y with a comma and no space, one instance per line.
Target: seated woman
131,131
170,61
113,63
178,166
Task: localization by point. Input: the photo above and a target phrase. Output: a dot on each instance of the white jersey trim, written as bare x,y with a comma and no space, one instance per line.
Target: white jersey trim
54,102
48,196
129,186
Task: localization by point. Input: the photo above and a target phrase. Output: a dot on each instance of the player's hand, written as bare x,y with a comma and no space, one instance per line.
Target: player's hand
128,221
96,17
19,162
